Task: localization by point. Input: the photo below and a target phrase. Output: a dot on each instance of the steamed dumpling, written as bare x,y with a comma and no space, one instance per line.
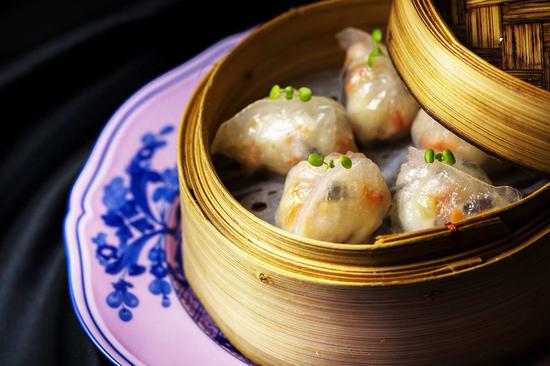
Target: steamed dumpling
378,103
431,194
276,134
427,133
338,205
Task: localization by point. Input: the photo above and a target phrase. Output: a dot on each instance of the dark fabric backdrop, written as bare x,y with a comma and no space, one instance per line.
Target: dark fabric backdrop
65,66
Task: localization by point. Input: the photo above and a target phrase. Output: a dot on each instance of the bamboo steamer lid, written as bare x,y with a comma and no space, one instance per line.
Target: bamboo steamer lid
489,107
426,298
513,35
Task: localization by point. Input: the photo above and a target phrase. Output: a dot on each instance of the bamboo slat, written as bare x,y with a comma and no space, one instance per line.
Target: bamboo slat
484,27
474,3
432,297
535,11
526,39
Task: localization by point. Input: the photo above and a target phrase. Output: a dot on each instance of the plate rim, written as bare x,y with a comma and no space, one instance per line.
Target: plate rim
80,189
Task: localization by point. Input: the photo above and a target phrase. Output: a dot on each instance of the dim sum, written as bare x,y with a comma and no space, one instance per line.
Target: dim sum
431,194
277,133
334,204
377,101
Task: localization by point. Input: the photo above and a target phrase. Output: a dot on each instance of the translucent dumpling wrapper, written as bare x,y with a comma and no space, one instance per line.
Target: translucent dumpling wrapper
338,204
431,194
469,167
380,106
276,134
427,133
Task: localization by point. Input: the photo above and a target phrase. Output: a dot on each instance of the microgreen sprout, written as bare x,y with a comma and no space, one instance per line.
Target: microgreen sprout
275,92
377,35
446,156
376,51
345,161
429,156
304,93
318,160
289,92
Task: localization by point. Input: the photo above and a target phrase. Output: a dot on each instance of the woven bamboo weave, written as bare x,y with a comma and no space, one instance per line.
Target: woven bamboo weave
512,35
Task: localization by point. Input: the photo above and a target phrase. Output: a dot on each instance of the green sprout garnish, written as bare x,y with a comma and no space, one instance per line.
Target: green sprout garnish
289,92
304,94
315,159
318,160
345,161
446,156
377,35
275,92
429,156
376,51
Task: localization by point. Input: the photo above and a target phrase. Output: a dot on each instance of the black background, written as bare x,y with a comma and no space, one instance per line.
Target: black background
65,66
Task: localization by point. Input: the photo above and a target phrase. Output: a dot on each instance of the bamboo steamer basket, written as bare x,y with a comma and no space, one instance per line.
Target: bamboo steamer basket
475,295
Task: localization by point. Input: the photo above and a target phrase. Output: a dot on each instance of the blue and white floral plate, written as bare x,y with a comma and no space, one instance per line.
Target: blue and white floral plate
122,234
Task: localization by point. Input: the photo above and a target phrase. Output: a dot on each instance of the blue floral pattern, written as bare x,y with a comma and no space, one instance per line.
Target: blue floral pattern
135,221
136,212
